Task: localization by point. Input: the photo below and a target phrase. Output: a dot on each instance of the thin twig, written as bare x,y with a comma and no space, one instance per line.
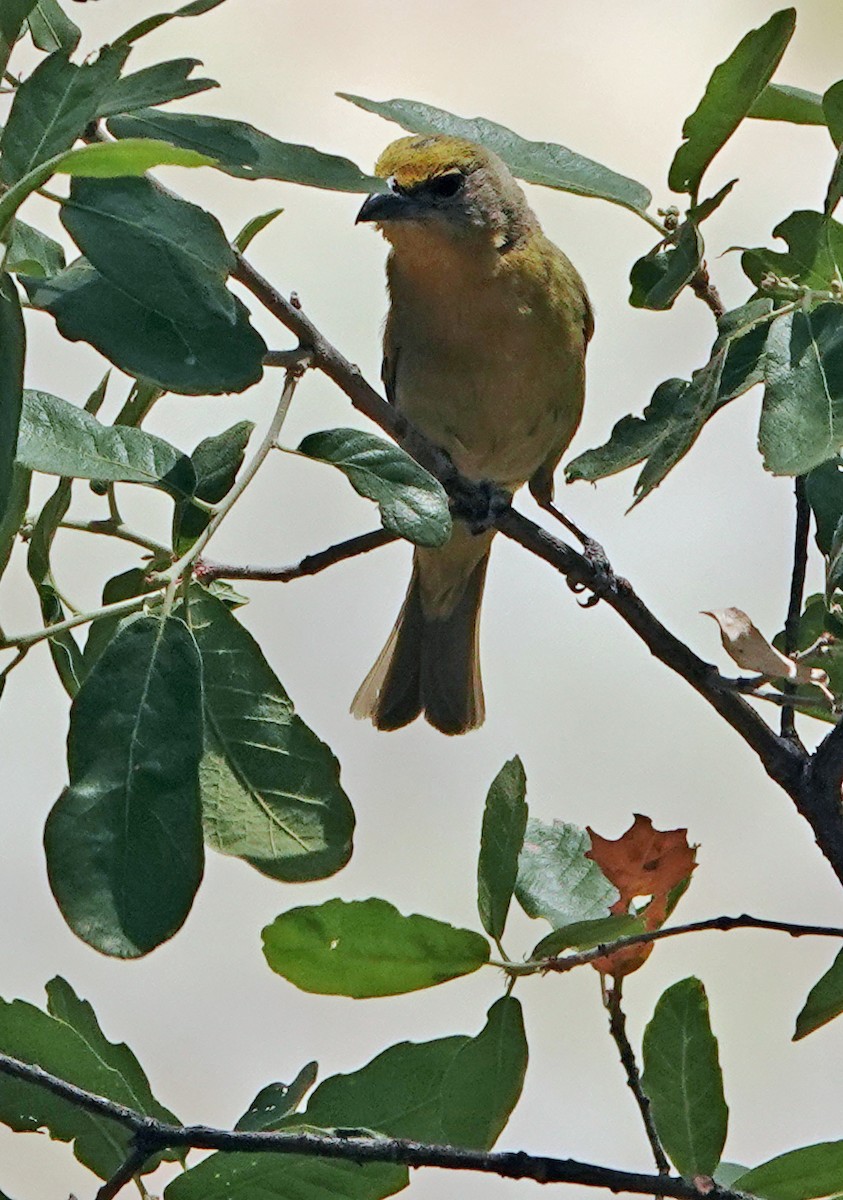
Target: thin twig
120,608
312,564
118,530
724,924
351,1147
617,1028
132,1166
797,587
704,290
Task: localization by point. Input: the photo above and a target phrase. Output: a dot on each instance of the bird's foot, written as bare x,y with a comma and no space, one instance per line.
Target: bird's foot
479,503
594,554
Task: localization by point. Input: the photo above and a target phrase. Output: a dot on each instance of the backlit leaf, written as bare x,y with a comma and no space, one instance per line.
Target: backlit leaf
555,879
501,839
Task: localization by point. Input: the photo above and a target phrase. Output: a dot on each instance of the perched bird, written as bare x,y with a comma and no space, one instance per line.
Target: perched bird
484,350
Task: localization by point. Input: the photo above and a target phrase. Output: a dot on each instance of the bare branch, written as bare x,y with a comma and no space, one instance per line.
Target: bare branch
617,1028
312,564
797,587
153,1136
133,1165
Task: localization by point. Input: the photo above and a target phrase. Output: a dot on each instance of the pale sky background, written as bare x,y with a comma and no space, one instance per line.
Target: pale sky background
603,729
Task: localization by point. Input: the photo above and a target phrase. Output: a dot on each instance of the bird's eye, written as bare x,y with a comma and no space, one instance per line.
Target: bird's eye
445,186
394,186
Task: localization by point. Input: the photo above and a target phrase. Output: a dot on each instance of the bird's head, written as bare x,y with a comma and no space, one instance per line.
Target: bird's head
449,184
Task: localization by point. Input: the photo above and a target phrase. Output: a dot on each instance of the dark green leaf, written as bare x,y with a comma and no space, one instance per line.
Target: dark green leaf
583,935
12,356
247,153
743,333
52,108
70,1044
66,654
659,277
501,839
814,257
546,163
835,185
555,879
58,438
824,1002
133,582
270,788
802,416
817,622
51,29
412,503
216,461
277,1100
824,488
705,208
12,519
801,1174
453,1091
832,112
782,102
31,252
167,254
727,1173
682,1079
214,357
124,840
364,948
194,9
731,92
13,13
252,228
158,84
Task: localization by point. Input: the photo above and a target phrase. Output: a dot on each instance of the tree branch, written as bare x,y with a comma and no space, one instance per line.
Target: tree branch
797,587
560,965
141,1152
812,784
617,1028
153,1136
311,564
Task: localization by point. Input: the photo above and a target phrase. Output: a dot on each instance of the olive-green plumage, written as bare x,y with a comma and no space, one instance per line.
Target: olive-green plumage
484,351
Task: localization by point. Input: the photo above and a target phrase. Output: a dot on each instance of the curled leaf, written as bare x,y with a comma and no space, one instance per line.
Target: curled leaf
746,645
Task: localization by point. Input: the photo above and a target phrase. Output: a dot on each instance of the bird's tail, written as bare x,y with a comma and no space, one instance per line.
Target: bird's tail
430,663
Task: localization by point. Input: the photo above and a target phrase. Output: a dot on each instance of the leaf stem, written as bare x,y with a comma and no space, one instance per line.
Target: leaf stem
110,528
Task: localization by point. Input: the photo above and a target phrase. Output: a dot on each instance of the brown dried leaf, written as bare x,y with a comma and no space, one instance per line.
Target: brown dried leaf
642,862
746,645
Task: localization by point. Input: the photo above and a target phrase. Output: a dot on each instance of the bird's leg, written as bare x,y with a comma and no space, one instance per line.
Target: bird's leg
593,552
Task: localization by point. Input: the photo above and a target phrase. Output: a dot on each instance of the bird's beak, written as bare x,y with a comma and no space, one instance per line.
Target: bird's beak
386,206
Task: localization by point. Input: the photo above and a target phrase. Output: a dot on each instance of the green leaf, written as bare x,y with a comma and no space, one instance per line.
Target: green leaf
252,228
158,84
730,94
824,488
456,1091
58,438
167,254
13,13
12,356
134,156
68,1042
31,252
659,277
832,112
545,163
52,108
584,935
364,948
678,410
276,1101
124,840
411,502
782,102
270,788
501,839
824,1002
134,582
194,9
555,879
13,517
51,29
216,461
682,1079
247,153
802,415
66,655
211,358
799,1174
814,257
